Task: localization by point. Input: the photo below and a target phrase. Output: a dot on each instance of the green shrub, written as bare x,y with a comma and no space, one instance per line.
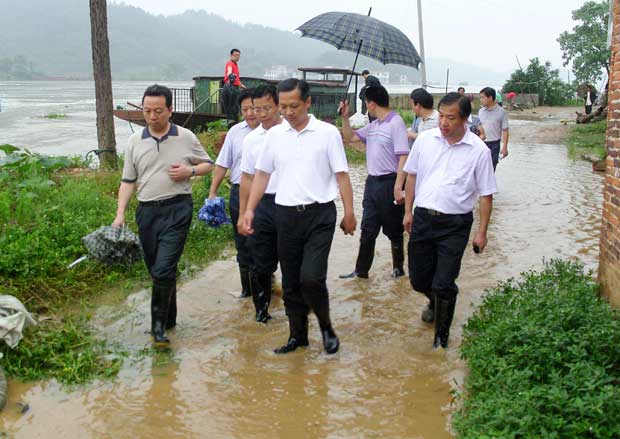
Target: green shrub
544,360
587,138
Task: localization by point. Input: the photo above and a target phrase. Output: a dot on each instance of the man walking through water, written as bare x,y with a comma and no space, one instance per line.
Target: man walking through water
309,157
495,122
387,148
263,243
230,158
160,160
448,168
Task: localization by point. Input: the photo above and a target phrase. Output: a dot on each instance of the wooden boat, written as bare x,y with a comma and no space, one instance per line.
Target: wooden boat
195,107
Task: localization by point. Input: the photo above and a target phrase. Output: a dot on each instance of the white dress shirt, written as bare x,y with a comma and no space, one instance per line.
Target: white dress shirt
231,152
306,162
449,178
253,147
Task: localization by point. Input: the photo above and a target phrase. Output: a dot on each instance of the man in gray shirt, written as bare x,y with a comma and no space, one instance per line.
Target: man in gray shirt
495,122
159,162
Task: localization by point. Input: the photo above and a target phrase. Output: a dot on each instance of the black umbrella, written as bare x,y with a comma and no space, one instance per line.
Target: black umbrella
113,245
362,34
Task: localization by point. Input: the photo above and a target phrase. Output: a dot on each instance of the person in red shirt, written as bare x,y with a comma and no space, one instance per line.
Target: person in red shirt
232,67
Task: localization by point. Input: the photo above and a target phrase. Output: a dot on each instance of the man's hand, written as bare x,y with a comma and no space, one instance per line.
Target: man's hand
480,241
119,221
399,195
408,221
348,224
179,172
212,195
246,225
504,152
343,109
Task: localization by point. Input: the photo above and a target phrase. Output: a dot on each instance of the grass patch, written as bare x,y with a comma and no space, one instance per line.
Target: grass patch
408,116
55,116
355,157
588,138
544,360
47,204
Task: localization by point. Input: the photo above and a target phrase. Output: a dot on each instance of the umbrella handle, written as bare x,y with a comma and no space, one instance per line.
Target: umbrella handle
357,54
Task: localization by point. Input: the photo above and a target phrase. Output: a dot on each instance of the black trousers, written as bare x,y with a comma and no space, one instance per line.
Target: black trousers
436,247
263,243
588,109
163,228
304,241
379,210
244,258
494,146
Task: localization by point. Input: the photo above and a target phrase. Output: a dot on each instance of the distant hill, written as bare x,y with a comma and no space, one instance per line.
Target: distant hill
43,38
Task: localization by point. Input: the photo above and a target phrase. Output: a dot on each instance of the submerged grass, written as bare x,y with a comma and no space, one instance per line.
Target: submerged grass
587,139
544,360
46,206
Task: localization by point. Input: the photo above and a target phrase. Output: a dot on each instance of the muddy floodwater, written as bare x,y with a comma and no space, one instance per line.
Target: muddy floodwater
222,380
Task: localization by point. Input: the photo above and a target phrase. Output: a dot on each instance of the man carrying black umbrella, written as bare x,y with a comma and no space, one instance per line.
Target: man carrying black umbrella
159,162
369,81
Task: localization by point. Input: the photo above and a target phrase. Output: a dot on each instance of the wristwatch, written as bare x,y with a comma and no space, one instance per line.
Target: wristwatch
193,171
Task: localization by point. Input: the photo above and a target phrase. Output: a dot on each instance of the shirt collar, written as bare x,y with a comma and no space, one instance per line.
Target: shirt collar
466,140
388,117
172,131
311,126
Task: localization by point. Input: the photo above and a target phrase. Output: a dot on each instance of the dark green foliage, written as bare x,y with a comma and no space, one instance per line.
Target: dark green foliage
586,46
67,352
540,79
544,360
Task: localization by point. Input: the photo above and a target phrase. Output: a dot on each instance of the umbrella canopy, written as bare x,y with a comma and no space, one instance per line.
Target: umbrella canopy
113,245
379,40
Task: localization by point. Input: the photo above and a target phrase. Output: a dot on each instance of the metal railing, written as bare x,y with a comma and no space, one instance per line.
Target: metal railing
183,99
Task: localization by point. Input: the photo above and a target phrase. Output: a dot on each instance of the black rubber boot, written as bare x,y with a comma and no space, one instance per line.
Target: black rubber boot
428,314
160,302
171,320
261,296
444,312
320,306
298,326
365,256
246,291
398,257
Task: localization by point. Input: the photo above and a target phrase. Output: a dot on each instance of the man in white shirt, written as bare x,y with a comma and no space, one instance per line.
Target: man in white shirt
263,243
309,158
448,169
230,158
422,105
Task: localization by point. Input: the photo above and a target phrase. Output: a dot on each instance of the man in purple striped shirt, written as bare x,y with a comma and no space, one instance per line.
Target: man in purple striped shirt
387,148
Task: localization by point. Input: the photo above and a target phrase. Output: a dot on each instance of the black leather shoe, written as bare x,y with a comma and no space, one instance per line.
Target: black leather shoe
262,316
330,340
398,272
291,345
353,275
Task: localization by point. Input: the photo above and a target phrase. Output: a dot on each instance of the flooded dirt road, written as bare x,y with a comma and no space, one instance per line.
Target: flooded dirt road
223,381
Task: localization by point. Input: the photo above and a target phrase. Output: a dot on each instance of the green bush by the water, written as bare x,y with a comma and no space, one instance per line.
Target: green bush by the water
588,138
544,360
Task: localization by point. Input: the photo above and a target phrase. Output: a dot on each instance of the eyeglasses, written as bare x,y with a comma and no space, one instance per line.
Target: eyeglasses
266,109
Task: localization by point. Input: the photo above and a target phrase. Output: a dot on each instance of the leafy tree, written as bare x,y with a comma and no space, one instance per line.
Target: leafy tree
541,79
586,45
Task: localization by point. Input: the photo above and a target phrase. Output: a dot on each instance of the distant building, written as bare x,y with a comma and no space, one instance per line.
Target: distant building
278,72
384,77
404,79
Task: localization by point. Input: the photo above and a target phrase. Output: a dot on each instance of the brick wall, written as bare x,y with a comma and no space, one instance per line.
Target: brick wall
609,265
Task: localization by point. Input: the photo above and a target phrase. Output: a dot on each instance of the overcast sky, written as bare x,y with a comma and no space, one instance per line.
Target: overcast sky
481,32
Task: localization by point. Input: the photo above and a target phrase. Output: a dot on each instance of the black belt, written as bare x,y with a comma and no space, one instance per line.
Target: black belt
269,196
433,212
235,184
167,201
304,207
383,177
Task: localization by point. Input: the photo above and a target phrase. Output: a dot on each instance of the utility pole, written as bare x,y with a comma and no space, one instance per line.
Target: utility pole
421,31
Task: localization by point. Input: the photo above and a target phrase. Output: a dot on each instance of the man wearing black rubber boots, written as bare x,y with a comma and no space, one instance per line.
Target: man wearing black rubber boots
448,169
309,158
159,162
263,243
387,148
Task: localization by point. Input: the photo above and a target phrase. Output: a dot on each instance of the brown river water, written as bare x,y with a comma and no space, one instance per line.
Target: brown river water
221,379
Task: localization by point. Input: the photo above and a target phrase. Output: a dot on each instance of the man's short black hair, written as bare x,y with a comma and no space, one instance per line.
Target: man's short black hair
265,90
365,72
463,101
377,94
291,84
159,90
246,93
234,50
488,92
461,88
422,97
